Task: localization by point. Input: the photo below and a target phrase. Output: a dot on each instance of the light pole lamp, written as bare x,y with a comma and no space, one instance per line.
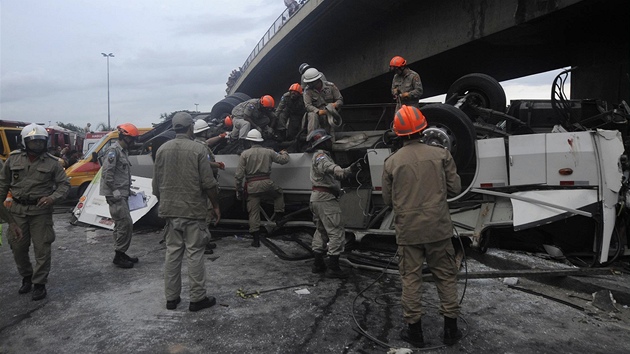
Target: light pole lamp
110,55
197,107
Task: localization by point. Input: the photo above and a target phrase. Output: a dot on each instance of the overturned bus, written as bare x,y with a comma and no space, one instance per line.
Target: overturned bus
540,175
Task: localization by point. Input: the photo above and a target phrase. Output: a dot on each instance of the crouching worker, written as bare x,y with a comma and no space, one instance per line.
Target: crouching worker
329,228
416,181
255,167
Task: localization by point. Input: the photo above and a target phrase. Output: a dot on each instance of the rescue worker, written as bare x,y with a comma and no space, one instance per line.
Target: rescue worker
324,203
302,69
254,166
290,111
116,187
256,113
406,85
183,183
416,181
37,181
321,99
201,131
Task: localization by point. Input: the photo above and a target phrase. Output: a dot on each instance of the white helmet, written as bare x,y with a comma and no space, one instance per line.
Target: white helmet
254,135
312,74
33,132
200,125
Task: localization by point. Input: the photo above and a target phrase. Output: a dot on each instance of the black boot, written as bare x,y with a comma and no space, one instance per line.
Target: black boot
130,259
26,285
121,262
39,292
413,334
333,270
451,333
319,266
256,241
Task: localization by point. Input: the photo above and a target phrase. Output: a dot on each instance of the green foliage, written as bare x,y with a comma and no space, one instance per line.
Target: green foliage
70,126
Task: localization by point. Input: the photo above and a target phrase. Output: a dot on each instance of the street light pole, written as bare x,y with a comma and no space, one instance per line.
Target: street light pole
197,107
110,55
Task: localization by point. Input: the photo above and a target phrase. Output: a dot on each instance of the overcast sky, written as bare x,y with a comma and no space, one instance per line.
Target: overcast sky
168,55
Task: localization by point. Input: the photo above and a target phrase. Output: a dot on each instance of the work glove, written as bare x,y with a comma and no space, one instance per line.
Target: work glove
221,165
117,195
223,135
322,112
341,173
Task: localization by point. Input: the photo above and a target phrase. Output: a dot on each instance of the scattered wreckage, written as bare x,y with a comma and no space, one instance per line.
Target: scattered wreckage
549,174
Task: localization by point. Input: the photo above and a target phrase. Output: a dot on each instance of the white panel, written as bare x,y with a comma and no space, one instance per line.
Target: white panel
572,151
527,159
492,166
527,213
376,159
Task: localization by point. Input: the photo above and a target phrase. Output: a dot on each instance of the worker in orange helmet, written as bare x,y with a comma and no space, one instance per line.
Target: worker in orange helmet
290,111
417,179
406,85
116,187
256,113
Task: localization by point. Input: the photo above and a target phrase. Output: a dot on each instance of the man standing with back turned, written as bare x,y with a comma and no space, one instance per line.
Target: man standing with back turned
116,187
183,183
416,181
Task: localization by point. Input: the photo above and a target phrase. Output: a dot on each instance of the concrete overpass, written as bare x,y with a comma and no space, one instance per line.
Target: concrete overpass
352,41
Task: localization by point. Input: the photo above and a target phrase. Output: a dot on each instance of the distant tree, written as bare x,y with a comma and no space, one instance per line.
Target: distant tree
101,127
70,126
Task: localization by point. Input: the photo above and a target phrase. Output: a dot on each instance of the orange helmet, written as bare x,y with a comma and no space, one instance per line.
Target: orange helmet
397,62
409,120
128,129
267,101
227,122
296,87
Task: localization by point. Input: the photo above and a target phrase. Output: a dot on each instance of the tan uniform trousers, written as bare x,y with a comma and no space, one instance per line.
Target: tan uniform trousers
185,236
328,227
253,206
315,121
123,224
37,229
440,257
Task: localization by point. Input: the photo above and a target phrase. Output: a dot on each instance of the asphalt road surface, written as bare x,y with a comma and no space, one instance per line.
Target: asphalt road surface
94,307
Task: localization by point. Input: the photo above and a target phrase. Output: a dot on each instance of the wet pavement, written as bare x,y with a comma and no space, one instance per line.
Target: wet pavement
94,307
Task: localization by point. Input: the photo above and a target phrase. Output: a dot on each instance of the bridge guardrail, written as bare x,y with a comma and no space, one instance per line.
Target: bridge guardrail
271,32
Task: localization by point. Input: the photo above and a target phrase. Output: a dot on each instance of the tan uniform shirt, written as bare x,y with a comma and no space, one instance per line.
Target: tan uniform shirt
416,182
251,109
323,175
31,180
202,141
116,174
256,162
315,100
181,178
410,82
290,107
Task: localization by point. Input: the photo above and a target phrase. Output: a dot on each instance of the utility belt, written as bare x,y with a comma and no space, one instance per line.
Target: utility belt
334,192
26,201
256,178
